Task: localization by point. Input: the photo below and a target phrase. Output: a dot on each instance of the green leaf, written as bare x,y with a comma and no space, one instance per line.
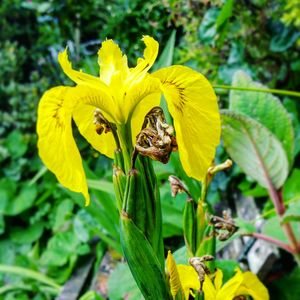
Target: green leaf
23,201
284,39
225,13
121,284
287,288
60,248
91,295
255,149
171,211
63,212
8,189
101,185
228,268
264,108
273,228
27,235
291,188
166,57
16,144
208,28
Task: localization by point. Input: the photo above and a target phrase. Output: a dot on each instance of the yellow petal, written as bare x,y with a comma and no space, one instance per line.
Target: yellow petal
139,101
229,289
144,64
112,62
188,278
175,284
80,78
83,116
193,106
210,292
56,144
218,281
252,286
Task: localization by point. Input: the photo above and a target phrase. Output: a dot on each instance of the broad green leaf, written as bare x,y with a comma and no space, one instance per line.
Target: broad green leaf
284,39
265,108
23,201
166,57
287,288
63,213
60,248
101,185
16,144
291,188
255,149
171,211
208,28
121,284
225,13
27,235
228,268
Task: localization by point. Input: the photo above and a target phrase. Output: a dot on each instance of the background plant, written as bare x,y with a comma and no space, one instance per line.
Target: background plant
214,38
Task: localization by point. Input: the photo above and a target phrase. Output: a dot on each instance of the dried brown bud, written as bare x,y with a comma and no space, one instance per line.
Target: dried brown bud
156,139
198,263
176,185
224,227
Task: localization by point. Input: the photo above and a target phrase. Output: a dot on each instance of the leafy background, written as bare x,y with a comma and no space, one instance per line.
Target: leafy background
43,227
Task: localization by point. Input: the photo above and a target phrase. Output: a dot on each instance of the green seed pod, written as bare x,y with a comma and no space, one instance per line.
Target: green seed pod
189,228
119,181
143,262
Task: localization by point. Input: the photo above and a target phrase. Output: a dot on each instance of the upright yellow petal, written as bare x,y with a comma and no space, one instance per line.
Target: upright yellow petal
83,115
56,144
79,77
139,100
218,281
253,287
230,288
210,292
193,106
175,284
144,64
188,278
112,62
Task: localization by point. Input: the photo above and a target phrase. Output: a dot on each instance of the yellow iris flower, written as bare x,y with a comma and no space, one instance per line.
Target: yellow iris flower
124,96
184,278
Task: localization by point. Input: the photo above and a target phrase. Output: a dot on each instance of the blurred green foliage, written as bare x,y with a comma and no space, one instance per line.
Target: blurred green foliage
43,227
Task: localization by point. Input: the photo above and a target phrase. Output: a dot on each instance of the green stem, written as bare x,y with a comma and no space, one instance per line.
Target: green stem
30,274
262,90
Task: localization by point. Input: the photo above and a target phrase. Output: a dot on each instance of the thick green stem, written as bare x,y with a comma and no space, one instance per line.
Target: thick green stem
261,90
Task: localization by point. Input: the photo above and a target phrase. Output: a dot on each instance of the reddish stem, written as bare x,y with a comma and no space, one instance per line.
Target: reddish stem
271,240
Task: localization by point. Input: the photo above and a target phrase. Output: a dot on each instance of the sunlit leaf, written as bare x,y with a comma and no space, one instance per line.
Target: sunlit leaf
255,149
265,108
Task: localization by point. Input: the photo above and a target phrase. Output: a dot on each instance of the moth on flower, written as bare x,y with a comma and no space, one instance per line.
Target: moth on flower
124,96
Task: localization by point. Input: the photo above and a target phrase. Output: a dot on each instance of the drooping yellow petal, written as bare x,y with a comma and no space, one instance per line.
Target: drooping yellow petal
56,144
193,106
112,62
79,77
83,116
188,278
253,287
144,64
175,284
